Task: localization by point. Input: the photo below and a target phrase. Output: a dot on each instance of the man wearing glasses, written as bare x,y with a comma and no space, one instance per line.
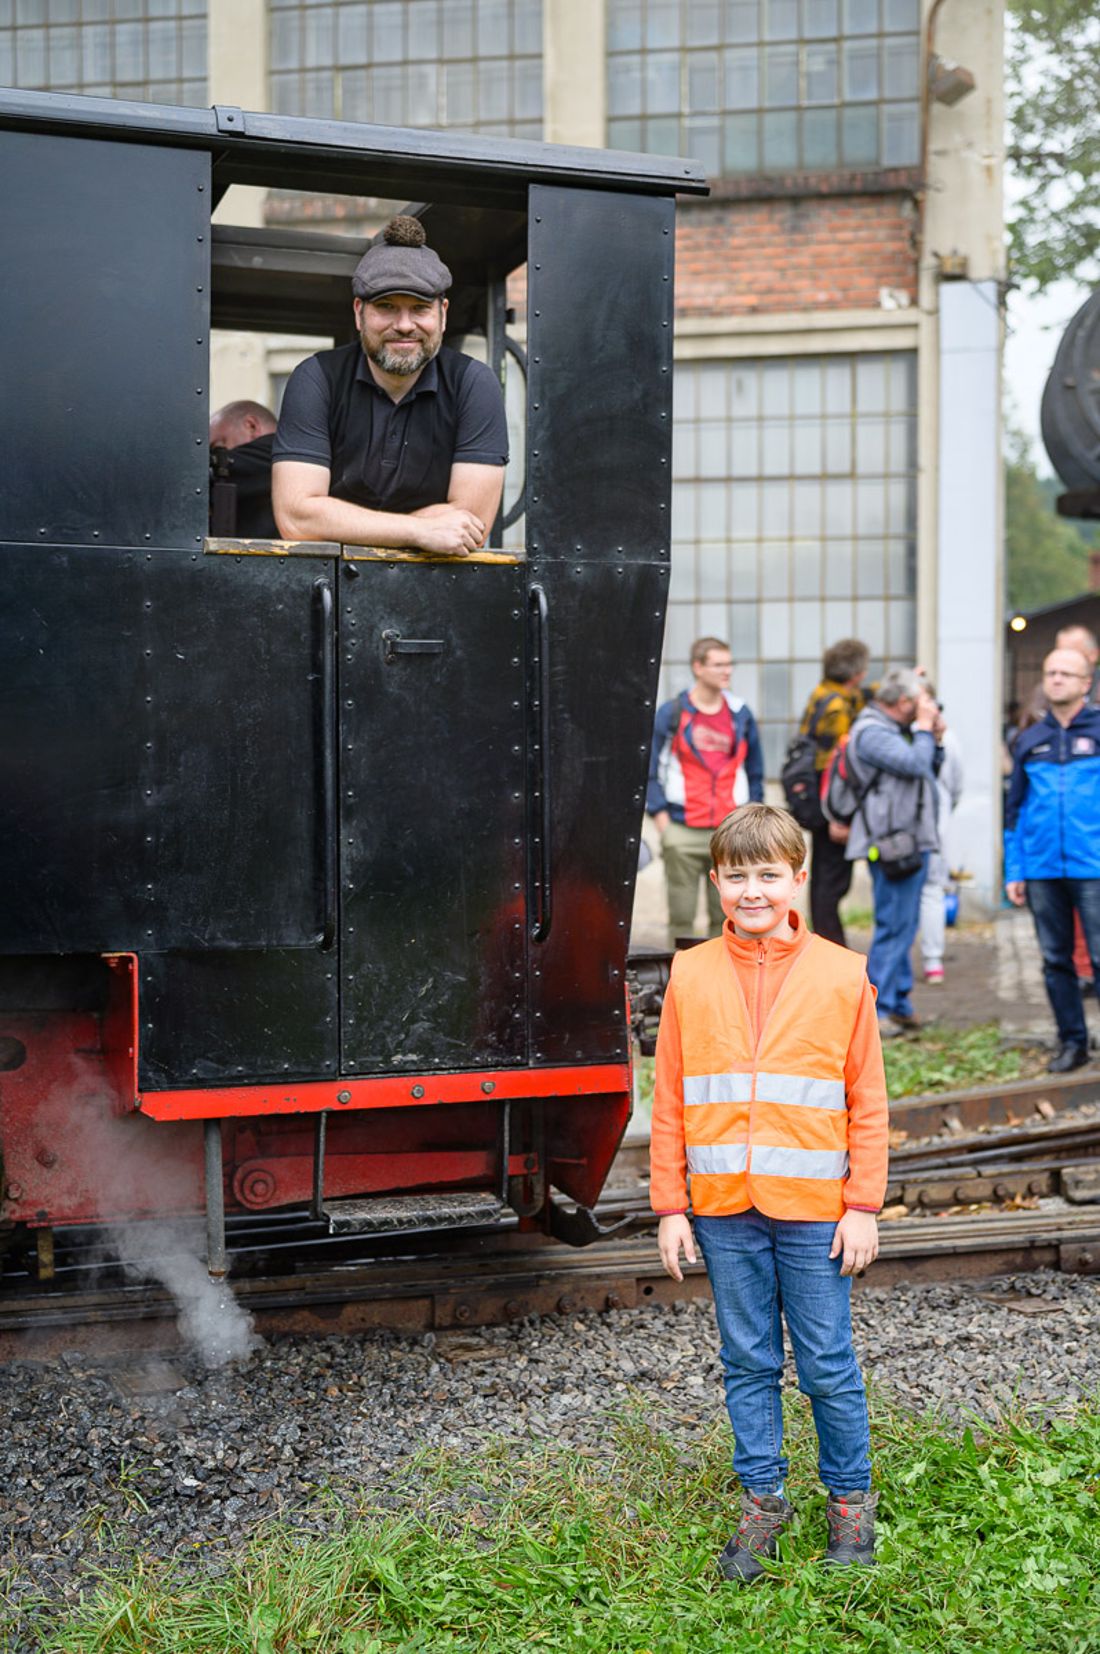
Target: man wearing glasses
1052,840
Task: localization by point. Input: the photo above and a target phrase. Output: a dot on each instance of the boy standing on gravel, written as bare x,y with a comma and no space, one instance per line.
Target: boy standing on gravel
770,1095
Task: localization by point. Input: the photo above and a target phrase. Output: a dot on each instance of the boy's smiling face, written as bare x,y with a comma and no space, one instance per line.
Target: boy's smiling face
758,896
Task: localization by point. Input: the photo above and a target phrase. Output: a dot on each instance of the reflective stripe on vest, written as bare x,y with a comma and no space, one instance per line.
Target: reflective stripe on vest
757,1132
799,1089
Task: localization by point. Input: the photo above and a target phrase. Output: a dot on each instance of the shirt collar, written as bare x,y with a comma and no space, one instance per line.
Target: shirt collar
776,947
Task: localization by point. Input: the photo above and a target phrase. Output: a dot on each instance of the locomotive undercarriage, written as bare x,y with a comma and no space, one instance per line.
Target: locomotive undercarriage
82,1151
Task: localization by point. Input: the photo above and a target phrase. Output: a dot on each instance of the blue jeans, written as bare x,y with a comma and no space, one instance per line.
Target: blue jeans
1052,902
897,915
759,1266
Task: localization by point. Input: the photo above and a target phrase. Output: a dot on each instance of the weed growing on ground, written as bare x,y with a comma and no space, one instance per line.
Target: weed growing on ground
954,1059
990,1541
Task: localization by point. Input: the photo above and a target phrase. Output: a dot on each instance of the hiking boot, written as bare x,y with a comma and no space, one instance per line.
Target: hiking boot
1067,1058
851,1519
908,1021
763,1518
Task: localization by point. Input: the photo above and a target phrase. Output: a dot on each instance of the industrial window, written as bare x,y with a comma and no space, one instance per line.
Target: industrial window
748,86
151,50
471,64
794,521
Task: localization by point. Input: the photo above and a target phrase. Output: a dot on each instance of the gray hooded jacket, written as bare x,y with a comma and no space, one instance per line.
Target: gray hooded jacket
904,794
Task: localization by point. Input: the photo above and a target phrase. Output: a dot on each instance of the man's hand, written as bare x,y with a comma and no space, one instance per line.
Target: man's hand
927,712
672,1234
838,833
661,821
1016,891
447,528
857,1237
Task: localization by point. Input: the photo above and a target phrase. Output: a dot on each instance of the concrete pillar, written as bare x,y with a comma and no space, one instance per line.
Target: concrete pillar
236,68
960,502
574,75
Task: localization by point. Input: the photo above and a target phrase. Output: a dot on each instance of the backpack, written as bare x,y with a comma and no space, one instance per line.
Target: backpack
842,794
800,777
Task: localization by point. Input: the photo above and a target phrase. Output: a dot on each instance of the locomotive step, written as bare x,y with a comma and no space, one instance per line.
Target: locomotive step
394,1214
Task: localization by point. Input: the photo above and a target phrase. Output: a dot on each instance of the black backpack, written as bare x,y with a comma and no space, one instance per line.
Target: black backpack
800,776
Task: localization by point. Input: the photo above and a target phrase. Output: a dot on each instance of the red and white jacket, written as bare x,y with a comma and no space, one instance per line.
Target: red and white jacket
684,784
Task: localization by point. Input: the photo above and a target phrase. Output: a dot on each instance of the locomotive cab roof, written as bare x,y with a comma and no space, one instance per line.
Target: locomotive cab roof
471,193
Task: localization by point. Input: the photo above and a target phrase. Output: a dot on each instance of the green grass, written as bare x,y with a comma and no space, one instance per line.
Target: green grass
990,1544
954,1059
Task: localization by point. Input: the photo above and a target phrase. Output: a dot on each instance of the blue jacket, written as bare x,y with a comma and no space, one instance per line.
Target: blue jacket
1052,814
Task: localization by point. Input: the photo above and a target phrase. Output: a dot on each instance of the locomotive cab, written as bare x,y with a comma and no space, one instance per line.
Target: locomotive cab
319,858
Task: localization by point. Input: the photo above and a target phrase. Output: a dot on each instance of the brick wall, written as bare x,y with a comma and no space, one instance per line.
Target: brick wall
829,253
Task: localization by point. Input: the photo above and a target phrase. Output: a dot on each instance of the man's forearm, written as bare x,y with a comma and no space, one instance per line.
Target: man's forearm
325,518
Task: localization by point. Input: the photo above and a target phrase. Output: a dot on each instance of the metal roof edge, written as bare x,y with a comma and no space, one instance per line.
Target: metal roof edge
398,147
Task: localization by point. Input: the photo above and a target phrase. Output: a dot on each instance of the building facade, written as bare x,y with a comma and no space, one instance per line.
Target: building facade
837,464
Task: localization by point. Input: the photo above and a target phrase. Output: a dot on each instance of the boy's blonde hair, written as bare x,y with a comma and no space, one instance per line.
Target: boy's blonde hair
755,833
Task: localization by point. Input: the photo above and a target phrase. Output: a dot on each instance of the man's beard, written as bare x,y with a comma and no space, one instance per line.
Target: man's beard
401,362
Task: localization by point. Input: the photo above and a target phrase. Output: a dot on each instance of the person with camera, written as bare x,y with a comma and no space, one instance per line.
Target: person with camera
895,753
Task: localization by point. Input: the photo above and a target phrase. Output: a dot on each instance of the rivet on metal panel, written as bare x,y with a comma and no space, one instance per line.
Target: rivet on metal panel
538,312
513,1308
343,1096
418,1091
462,1312
488,1086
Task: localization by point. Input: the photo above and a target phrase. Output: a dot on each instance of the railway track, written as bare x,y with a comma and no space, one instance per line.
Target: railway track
294,1279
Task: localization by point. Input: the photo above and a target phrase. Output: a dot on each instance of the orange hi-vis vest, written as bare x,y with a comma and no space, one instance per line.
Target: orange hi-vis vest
765,1109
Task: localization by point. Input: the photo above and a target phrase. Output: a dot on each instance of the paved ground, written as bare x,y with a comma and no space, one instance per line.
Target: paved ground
992,970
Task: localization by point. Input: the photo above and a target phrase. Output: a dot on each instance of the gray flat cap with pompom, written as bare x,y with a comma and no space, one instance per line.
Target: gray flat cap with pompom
400,263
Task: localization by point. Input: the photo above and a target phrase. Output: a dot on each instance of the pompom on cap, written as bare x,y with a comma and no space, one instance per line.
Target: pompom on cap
400,262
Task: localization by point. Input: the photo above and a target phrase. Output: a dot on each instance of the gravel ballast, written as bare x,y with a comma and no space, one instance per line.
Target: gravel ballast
93,1472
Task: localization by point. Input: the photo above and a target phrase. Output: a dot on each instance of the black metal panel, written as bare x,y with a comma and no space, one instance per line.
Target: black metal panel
162,729
605,622
103,340
225,1018
599,393
431,751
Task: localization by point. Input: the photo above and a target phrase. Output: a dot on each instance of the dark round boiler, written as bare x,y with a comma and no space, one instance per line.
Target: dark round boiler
1071,401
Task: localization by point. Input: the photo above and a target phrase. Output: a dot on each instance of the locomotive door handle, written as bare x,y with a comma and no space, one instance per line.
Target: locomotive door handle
393,644
324,679
539,610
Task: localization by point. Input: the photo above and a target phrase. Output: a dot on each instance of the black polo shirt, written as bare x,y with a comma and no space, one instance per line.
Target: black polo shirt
386,455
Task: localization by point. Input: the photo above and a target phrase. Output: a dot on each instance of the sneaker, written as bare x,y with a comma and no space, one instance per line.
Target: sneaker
907,1021
1067,1058
889,1029
763,1518
934,975
851,1519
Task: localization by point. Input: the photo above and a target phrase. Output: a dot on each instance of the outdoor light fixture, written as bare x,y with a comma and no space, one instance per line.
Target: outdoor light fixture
1018,623
947,81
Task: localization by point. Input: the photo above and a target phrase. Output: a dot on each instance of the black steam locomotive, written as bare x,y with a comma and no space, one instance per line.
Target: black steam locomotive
317,861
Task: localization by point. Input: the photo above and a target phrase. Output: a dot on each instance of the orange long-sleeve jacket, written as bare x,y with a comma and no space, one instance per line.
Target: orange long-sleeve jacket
761,968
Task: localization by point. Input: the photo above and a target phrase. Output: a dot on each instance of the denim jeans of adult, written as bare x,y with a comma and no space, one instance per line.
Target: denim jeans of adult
1052,902
897,915
762,1269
